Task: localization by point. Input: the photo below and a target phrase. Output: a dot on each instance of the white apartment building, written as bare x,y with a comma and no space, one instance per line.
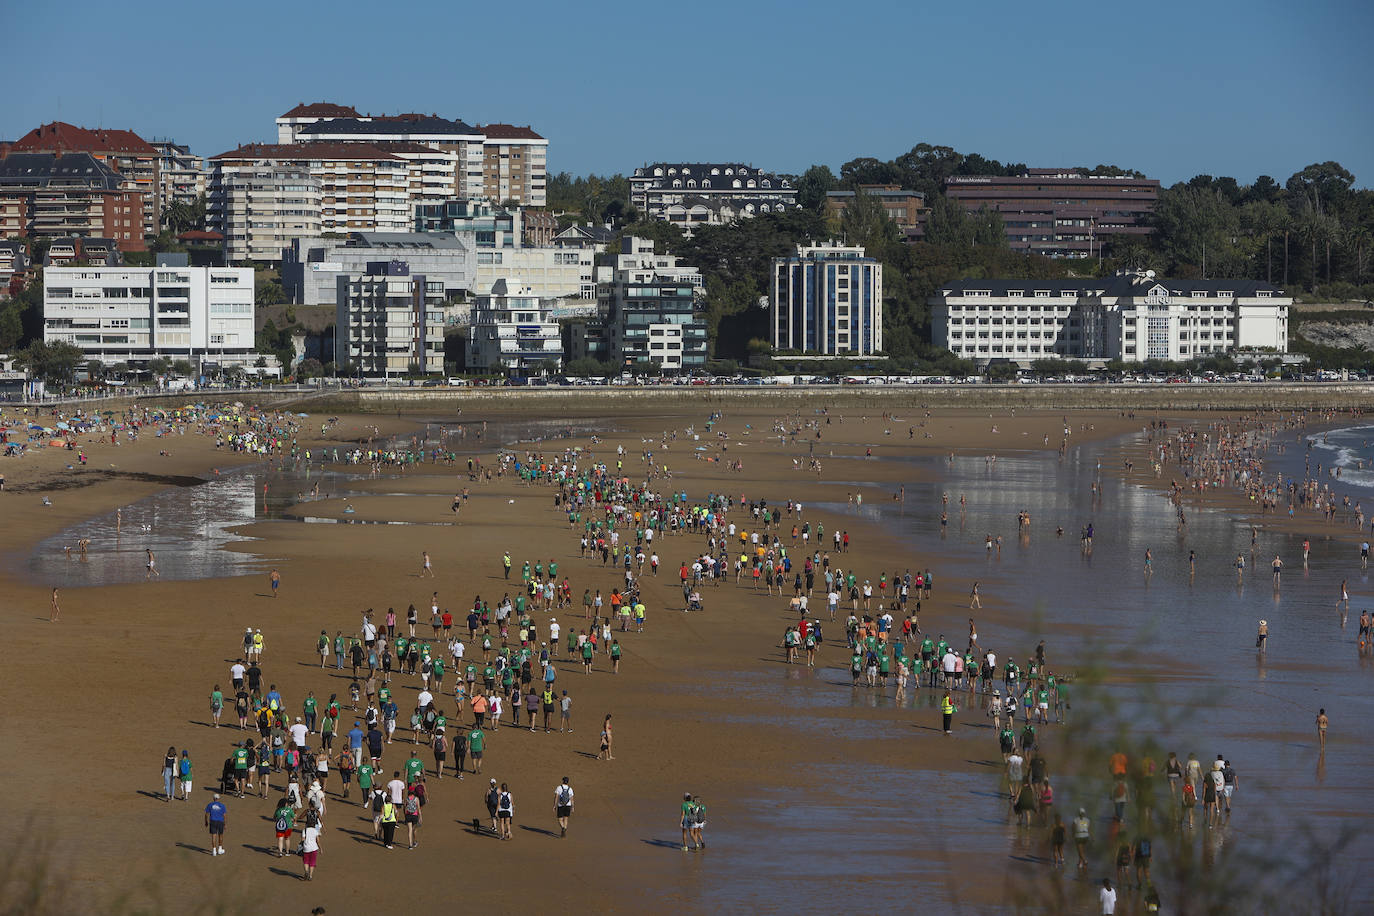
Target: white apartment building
514,329
1131,317
263,196
637,263
260,206
181,173
549,273
828,299
389,323
135,314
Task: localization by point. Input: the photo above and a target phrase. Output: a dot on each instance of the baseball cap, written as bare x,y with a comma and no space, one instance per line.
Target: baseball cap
493,782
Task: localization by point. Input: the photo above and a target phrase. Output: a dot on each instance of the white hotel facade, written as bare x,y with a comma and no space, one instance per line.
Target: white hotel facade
135,314
1132,317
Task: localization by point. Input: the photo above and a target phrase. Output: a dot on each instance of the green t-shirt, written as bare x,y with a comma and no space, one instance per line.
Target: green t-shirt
240,758
475,739
414,766
438,667
384,695
365,776
285,815
489,673
216,700
310,703
615,650
587,651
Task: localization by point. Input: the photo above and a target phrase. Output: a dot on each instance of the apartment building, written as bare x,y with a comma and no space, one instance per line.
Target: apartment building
96,252
695,193
550,273
1059,213
311,266
389,322
136,314
300,190
514,165
58,195
461,142
304,114
648,305
181,174
136,161
260,205
14,266
828,299
1131,317
513,329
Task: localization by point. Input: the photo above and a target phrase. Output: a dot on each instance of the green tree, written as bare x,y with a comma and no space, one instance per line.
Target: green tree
812,187
54,363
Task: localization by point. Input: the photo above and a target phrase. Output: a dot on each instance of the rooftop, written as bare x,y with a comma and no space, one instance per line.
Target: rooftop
391,124
509,132
319,150
321,110
59,137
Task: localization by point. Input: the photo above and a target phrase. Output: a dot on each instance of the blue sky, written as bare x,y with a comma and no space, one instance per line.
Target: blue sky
1171,88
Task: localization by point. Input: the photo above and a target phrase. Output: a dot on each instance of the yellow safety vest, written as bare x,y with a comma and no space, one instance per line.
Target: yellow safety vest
388,813
947,707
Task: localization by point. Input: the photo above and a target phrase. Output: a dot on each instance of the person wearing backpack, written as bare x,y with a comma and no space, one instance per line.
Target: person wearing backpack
184,774
378,804
412,814
493,800
440,752
505,812
285,822
563,806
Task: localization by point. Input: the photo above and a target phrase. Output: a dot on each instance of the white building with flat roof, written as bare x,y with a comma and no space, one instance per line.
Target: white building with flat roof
513,329
310,267
136,314
549,273
1132,317
828,299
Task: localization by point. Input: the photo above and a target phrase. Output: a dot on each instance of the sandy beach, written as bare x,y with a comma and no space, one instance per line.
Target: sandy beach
819,793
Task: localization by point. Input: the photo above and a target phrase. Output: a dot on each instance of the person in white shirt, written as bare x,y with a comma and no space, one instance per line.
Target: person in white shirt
457,649
299,732
554,630
424,698
310,850
1107,897
236,673
396,788
563,805
1015,773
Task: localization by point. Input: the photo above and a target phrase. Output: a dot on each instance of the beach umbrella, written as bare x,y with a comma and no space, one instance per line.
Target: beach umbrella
61,425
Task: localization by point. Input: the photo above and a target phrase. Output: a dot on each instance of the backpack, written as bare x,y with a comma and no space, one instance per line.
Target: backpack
283,824
312,818
377,799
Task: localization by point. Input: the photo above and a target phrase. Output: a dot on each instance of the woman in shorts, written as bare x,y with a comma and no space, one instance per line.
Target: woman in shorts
264,767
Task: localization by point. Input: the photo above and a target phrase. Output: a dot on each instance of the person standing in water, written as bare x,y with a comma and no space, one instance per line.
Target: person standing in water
1262,637
1322,722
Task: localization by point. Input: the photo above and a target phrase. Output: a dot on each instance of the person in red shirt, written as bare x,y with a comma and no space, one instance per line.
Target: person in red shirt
682,573
447,619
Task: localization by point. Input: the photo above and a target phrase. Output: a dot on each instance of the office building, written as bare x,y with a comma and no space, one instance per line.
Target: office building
828,299
389,322
514,330
136,161
136,314
648,304
311,266
57,195
1132,317
1061,214
690,194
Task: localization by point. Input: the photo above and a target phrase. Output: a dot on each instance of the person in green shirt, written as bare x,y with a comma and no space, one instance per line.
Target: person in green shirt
383,695
437,673
365,774
285,822
216,704
489,678
587,656
615,656
476,739
689,820
308,707
241,767
856,667
414,767
572,640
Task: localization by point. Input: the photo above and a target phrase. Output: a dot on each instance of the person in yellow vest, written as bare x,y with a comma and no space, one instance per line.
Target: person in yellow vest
947,711
388,822
257,645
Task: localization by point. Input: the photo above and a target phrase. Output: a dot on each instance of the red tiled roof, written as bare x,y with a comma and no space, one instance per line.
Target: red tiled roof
60,137
321,110
295,151
509,132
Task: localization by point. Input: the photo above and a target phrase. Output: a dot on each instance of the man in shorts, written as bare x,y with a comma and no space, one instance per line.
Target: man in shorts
214,820
563,806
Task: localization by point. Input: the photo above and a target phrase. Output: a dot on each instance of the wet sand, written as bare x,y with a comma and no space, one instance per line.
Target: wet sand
817,793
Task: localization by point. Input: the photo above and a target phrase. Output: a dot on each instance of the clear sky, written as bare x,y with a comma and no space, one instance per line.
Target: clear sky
1172,88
